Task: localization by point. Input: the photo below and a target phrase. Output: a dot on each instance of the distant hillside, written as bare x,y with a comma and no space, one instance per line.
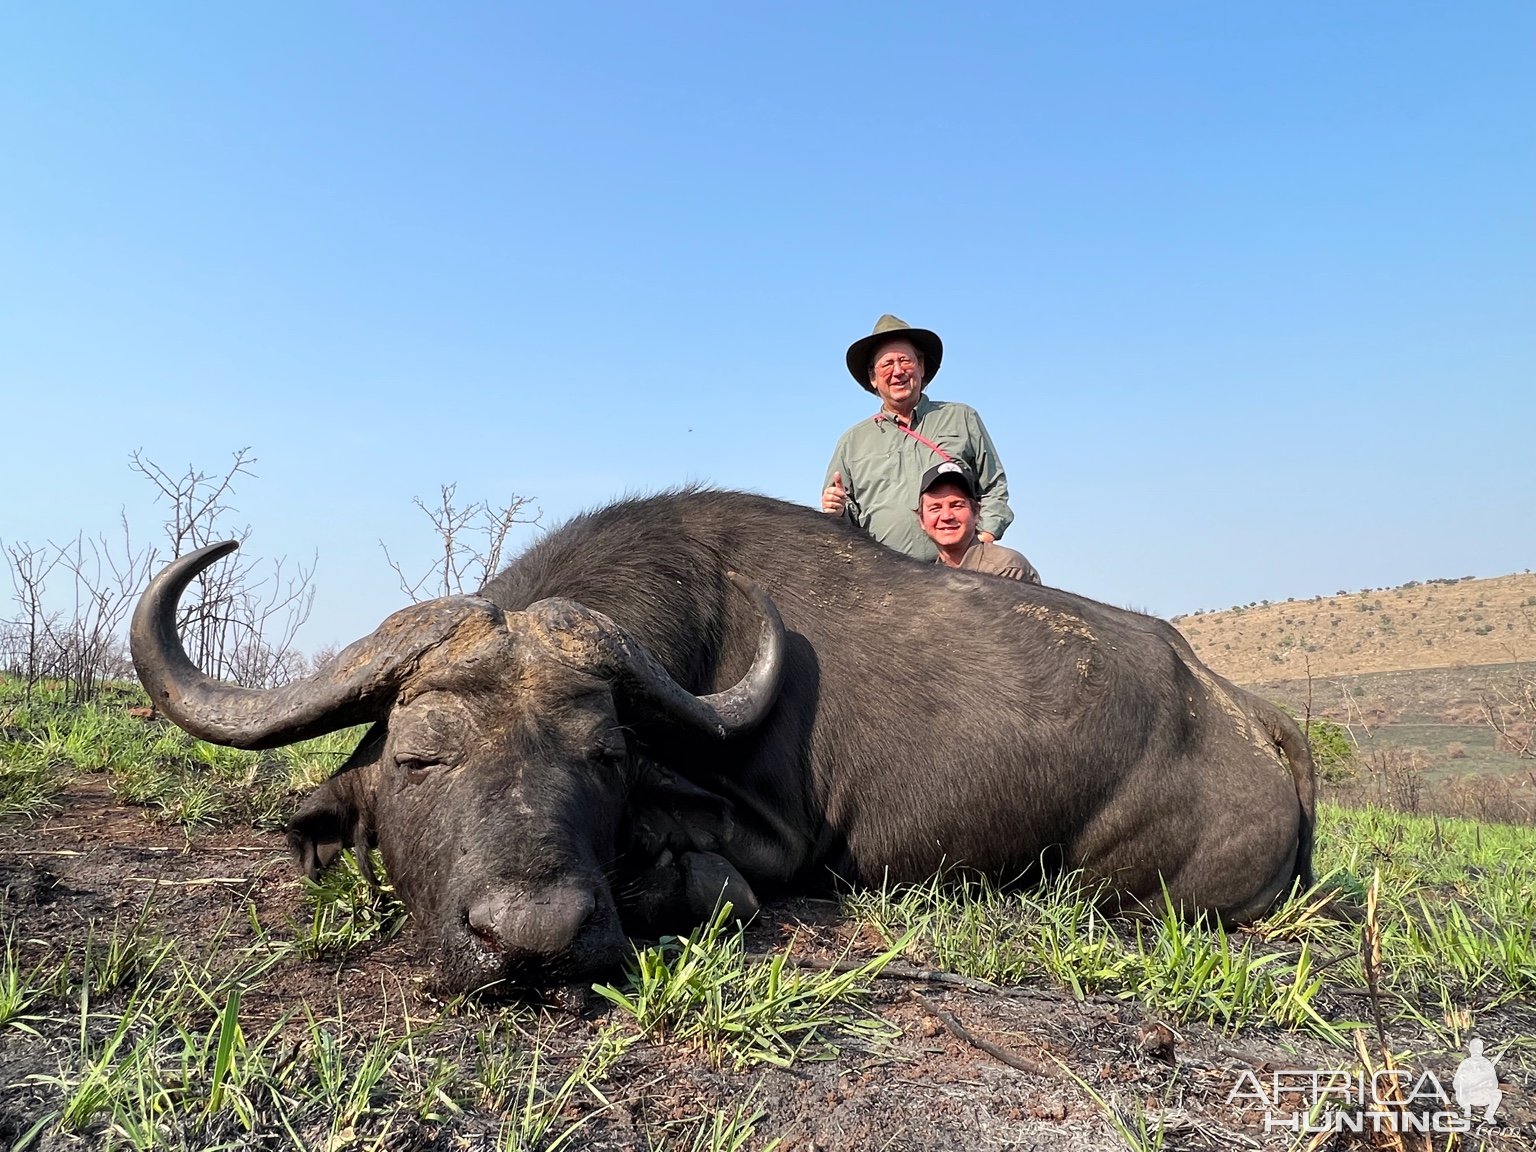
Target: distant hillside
1436,624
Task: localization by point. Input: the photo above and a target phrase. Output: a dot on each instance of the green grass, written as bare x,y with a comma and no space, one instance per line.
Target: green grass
346,912
1056,934
30,783
720,1132
1459,900
703,991
22,986
159,1039
963,924
179,779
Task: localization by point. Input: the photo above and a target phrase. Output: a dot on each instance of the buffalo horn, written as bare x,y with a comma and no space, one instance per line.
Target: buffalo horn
352,688
589,640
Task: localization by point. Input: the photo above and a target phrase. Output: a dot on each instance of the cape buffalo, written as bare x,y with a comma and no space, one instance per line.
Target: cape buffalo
619,727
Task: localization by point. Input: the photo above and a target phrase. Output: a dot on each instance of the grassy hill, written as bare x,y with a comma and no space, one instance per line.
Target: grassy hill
1436,624
1413,673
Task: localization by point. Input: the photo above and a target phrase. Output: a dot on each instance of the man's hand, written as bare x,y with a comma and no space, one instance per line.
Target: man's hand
834,498
985,537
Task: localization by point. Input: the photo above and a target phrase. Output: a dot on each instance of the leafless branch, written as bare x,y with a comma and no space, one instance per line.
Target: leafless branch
1511,712
196,500
236,625
106,580
27,635
472,540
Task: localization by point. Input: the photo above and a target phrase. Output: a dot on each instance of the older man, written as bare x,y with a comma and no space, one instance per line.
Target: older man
947,508
877,463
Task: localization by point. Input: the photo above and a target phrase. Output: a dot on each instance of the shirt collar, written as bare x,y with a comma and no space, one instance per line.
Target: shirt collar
923,404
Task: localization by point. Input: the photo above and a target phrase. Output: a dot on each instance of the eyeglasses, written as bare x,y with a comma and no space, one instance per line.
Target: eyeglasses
889,364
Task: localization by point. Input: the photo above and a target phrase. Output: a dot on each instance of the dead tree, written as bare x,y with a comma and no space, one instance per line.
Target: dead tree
107,581
236,624
1510,709
471,539
26,636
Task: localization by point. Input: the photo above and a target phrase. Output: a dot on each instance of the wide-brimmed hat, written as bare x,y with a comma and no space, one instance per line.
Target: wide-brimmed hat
888,328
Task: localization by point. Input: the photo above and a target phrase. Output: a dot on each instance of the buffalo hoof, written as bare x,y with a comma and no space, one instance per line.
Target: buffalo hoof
710,880
679,892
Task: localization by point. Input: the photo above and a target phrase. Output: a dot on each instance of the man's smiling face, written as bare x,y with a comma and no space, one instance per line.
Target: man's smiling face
948,514
896,373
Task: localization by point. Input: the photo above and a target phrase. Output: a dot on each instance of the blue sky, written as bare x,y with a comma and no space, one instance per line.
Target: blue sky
1246,294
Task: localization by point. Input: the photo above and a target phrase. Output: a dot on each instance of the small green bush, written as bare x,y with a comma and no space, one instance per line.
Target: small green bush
1333,750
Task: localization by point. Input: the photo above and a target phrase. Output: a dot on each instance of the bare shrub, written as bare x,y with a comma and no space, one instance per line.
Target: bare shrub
1397,782
471,540
1396,776
105,582
1510,708
1511,713
81,646
236,625
1491,799
26,650
319,658
1463,712
15,652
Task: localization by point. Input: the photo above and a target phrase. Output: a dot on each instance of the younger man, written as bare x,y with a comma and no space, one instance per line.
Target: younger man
948,509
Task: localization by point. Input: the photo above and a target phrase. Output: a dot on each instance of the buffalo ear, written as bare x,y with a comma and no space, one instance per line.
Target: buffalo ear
339,814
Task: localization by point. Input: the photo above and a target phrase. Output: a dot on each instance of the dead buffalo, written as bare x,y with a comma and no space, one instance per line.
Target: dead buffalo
619,727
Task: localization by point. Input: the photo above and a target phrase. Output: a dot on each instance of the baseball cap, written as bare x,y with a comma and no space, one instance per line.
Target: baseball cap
951,470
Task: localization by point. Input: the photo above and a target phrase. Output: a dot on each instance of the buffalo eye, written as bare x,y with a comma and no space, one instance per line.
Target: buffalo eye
610,749
415,767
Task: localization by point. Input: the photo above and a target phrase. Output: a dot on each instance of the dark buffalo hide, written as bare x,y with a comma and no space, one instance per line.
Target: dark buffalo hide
618,730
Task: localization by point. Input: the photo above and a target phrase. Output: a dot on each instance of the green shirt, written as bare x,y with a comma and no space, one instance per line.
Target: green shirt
882,467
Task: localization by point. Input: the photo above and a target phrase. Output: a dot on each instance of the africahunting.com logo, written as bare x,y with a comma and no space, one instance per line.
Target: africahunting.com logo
1389,1100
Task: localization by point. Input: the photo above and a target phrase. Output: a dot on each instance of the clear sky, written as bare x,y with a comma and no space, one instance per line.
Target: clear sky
1246,293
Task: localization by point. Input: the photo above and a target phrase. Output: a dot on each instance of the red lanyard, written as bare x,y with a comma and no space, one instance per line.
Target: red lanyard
943,455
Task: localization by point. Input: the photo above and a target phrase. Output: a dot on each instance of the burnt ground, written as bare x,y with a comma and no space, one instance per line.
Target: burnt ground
97,863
